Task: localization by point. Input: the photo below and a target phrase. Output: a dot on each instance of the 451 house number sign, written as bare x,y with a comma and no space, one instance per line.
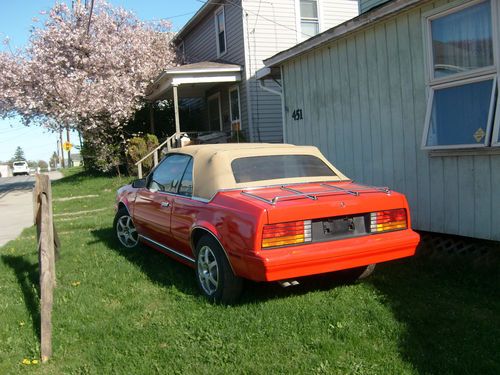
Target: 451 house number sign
297,114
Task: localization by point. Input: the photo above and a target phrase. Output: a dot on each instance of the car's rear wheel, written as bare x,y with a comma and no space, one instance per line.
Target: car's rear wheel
214,275
125,229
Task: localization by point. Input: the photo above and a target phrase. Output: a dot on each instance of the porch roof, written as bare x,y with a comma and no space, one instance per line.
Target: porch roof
192,80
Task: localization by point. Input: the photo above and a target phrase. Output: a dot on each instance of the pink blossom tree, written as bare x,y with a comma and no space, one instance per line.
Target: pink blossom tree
85,70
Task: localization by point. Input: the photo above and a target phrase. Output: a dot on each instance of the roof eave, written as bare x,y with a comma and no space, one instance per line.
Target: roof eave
198,16
347,27
198,71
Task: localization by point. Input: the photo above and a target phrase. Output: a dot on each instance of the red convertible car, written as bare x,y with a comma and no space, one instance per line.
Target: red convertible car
263,212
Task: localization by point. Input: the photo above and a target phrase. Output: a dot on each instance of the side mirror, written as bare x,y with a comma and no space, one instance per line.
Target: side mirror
139,184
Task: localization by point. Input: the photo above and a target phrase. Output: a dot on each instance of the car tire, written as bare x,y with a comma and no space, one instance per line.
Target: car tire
124,229
214,275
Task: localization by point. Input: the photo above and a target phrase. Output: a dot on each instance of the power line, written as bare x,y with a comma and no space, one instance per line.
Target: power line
180,15
229,2
14,137
11,130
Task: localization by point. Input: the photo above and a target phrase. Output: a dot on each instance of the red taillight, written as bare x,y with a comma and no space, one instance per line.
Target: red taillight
383,221
282,234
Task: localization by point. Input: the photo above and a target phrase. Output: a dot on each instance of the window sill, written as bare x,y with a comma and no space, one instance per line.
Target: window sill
465,152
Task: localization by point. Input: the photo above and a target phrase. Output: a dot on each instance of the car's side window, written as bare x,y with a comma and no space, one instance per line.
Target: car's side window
168,174
186,187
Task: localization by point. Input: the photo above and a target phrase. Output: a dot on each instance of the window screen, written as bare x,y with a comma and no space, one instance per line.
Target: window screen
462,78
309,20
221,31
259,168
462,41
460,114
308,9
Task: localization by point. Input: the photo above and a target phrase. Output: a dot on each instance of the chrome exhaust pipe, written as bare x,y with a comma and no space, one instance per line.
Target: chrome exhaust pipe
287,283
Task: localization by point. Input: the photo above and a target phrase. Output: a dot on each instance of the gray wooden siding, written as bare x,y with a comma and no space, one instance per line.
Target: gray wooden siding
364,101
200,45
200,42
270,28
366,5
268,35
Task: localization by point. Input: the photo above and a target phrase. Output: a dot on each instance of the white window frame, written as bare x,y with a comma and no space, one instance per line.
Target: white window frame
212,97
457,79
237,89
299,20
216,13
454,83
495,141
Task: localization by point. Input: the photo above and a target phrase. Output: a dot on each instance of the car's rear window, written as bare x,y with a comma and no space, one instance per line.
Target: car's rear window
272,167
20,164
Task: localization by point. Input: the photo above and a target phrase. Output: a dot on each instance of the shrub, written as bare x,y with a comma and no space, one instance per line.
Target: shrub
137,148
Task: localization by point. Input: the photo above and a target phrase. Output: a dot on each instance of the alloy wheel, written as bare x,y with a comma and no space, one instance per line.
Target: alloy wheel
208,270
126,232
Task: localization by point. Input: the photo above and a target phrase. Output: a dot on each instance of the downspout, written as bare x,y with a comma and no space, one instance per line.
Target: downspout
248,73
282,97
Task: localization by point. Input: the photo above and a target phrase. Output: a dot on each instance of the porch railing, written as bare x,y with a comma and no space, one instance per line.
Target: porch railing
170,143
174,142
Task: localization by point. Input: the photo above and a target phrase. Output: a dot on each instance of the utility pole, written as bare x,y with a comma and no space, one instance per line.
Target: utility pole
69,152
61,145
58,161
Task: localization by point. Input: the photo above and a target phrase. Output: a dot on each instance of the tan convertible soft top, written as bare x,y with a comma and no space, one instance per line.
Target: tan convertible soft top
212,165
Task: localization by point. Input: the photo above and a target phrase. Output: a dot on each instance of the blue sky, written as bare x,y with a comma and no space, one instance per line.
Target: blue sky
15,23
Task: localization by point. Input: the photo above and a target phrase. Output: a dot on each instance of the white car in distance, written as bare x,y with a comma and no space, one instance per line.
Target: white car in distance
20,168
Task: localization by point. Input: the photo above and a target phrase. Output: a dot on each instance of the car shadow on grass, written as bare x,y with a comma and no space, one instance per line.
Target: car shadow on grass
166,271
263,291
451,313
28,279
158,267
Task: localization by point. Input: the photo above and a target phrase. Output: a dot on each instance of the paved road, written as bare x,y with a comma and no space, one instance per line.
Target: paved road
16,205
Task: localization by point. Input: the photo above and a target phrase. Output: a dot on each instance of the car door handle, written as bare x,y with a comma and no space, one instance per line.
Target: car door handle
165,204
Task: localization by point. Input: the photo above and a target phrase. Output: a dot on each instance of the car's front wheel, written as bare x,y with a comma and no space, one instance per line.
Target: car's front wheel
214,275
125,229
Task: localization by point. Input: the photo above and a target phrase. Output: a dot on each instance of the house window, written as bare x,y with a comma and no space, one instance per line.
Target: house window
220,31
234,108
309,20
462,78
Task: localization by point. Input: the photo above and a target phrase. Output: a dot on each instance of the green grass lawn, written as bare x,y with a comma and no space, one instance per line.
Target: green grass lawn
119,311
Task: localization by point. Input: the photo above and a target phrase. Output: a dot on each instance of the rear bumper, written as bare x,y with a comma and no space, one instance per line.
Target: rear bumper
305,260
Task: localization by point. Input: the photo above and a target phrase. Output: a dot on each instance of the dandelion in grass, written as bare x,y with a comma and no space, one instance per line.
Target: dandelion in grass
75,283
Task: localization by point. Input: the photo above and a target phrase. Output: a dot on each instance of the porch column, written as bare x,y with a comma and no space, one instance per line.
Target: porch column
176,110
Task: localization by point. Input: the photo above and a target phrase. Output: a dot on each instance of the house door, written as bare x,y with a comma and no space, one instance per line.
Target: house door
214,113
234,108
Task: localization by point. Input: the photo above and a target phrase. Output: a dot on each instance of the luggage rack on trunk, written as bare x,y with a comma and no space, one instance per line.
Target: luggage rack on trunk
329,190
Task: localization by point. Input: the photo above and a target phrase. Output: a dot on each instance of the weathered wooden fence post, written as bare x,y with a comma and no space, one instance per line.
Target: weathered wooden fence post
42,204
